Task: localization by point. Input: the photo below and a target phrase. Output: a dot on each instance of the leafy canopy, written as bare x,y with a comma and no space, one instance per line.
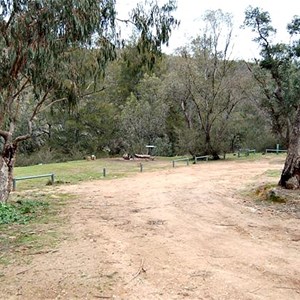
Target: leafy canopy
43,45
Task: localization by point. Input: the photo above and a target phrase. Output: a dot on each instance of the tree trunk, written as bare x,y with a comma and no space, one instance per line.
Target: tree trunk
292,163
209,149
7,162
4,181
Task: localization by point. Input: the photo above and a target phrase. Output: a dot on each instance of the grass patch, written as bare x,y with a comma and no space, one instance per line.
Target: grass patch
21,212
30,223
243,157
76,171
273,173
268,192
254,156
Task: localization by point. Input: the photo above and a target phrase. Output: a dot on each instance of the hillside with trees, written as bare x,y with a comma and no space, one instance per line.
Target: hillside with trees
70,87
54,53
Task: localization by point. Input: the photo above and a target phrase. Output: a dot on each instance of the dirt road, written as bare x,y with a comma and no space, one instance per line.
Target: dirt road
183,233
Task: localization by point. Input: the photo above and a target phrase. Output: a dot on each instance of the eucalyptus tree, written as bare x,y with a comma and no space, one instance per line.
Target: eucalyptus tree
143,117
210,83
41,43
90,127
277,72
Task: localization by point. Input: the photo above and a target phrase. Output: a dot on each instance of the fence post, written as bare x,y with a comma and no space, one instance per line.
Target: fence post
141,167
104,172
187,162
52,178
173,162
14,184
277,148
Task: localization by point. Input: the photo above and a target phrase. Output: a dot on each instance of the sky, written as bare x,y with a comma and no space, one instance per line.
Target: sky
190,13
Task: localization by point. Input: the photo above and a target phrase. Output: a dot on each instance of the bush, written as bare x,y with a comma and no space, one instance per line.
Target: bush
163,146
44,156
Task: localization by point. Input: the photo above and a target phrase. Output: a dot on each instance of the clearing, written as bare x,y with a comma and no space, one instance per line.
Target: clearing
184,233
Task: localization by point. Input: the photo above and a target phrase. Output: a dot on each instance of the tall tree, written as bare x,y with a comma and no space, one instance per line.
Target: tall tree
143,118
209,83
41,44
278,76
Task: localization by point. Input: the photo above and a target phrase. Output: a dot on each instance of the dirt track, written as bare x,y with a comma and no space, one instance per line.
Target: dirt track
184,233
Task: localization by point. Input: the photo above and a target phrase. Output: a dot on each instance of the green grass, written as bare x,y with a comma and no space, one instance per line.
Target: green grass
21,212
273,173
254,156
76,171
29,223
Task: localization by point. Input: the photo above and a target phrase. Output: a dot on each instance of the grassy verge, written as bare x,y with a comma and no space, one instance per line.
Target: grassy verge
254,156
76,171
30,223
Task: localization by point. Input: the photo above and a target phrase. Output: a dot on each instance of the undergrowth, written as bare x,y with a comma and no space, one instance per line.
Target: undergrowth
22,211
30,223
269,192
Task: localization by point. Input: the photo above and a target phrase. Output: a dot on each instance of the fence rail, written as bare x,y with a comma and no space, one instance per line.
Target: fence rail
181,159
275,150
31,177
201,157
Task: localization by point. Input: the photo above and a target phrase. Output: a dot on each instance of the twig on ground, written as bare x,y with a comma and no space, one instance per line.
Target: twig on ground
43,252
140,270
215,256
24,271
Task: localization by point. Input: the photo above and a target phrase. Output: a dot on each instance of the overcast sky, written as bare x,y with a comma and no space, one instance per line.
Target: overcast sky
189,12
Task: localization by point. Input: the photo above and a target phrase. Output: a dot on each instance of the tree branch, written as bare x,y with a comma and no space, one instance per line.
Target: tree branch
125,21
50,104
25,136
95,92
4,134
38,106
23,87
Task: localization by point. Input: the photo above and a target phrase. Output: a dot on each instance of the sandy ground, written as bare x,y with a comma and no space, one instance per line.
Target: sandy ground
183,233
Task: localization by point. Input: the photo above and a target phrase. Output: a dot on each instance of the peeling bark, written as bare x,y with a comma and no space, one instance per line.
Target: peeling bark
7,162
4,186
291,168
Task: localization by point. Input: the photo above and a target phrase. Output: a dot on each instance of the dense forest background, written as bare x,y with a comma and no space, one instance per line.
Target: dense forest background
71,86
196,101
